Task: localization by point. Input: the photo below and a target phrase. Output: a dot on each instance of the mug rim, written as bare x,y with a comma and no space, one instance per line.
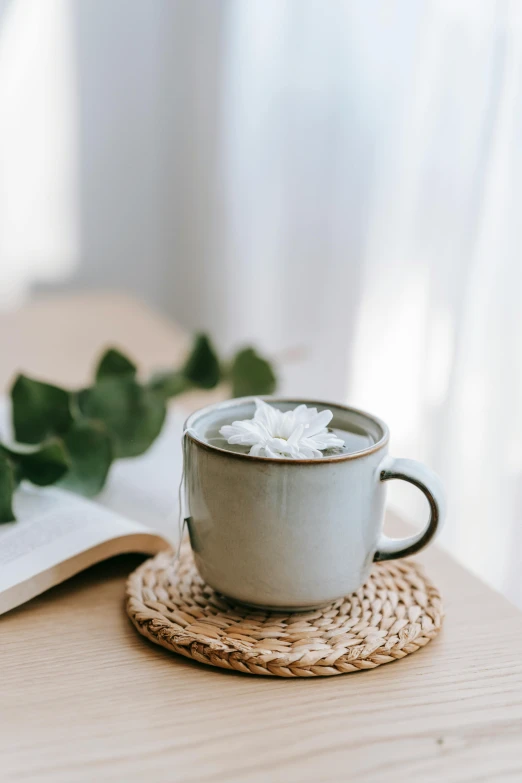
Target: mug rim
286,460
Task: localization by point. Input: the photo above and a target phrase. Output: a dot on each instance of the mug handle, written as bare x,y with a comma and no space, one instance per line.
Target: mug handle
429,483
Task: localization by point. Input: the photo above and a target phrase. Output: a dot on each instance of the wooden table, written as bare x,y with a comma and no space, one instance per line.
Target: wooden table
84,698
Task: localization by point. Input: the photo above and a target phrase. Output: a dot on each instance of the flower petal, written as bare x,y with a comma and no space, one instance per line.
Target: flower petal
319,423
242,432
325,441
266,415
296,435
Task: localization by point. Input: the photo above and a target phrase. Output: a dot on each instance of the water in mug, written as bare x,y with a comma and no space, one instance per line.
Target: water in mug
355,438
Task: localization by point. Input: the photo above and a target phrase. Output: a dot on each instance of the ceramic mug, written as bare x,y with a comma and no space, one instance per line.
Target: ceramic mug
294,534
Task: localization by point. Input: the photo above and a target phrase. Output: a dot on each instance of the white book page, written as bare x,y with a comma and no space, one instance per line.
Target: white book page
58,533
146,488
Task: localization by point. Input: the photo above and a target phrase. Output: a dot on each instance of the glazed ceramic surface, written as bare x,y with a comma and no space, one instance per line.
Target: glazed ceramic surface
295,534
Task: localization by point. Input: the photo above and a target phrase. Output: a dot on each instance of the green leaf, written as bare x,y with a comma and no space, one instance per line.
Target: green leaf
132,414
251,374
169,384
41,465
113,362
40,410
7,486
89,449
202,365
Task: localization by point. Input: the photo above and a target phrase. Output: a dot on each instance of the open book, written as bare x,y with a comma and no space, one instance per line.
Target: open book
58,534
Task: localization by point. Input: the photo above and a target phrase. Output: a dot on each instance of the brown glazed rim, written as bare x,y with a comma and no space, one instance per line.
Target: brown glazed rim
285,460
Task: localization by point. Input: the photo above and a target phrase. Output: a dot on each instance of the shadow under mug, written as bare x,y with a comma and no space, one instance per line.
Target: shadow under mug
287,534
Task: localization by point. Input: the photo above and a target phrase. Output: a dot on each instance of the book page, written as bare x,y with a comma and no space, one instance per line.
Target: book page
58,534
146,488
143,488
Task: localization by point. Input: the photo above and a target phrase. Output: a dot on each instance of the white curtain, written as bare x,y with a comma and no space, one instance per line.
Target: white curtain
368,182
38,141
338,181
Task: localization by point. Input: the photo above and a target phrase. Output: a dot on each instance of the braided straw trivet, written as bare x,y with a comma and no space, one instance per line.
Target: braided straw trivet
397,611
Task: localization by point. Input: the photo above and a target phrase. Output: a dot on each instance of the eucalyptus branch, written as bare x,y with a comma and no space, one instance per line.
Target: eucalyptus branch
70,437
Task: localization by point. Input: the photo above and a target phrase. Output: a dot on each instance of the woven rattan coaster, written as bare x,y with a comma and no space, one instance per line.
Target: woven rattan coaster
397,611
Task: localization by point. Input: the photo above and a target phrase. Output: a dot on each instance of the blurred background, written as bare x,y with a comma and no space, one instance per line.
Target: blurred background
338,182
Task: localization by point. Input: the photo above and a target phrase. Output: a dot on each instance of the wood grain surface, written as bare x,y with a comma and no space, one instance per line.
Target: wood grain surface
83,697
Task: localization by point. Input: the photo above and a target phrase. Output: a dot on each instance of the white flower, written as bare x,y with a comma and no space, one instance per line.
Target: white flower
298,434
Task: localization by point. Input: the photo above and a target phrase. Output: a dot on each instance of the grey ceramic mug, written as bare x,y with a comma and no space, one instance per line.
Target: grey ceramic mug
288,534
